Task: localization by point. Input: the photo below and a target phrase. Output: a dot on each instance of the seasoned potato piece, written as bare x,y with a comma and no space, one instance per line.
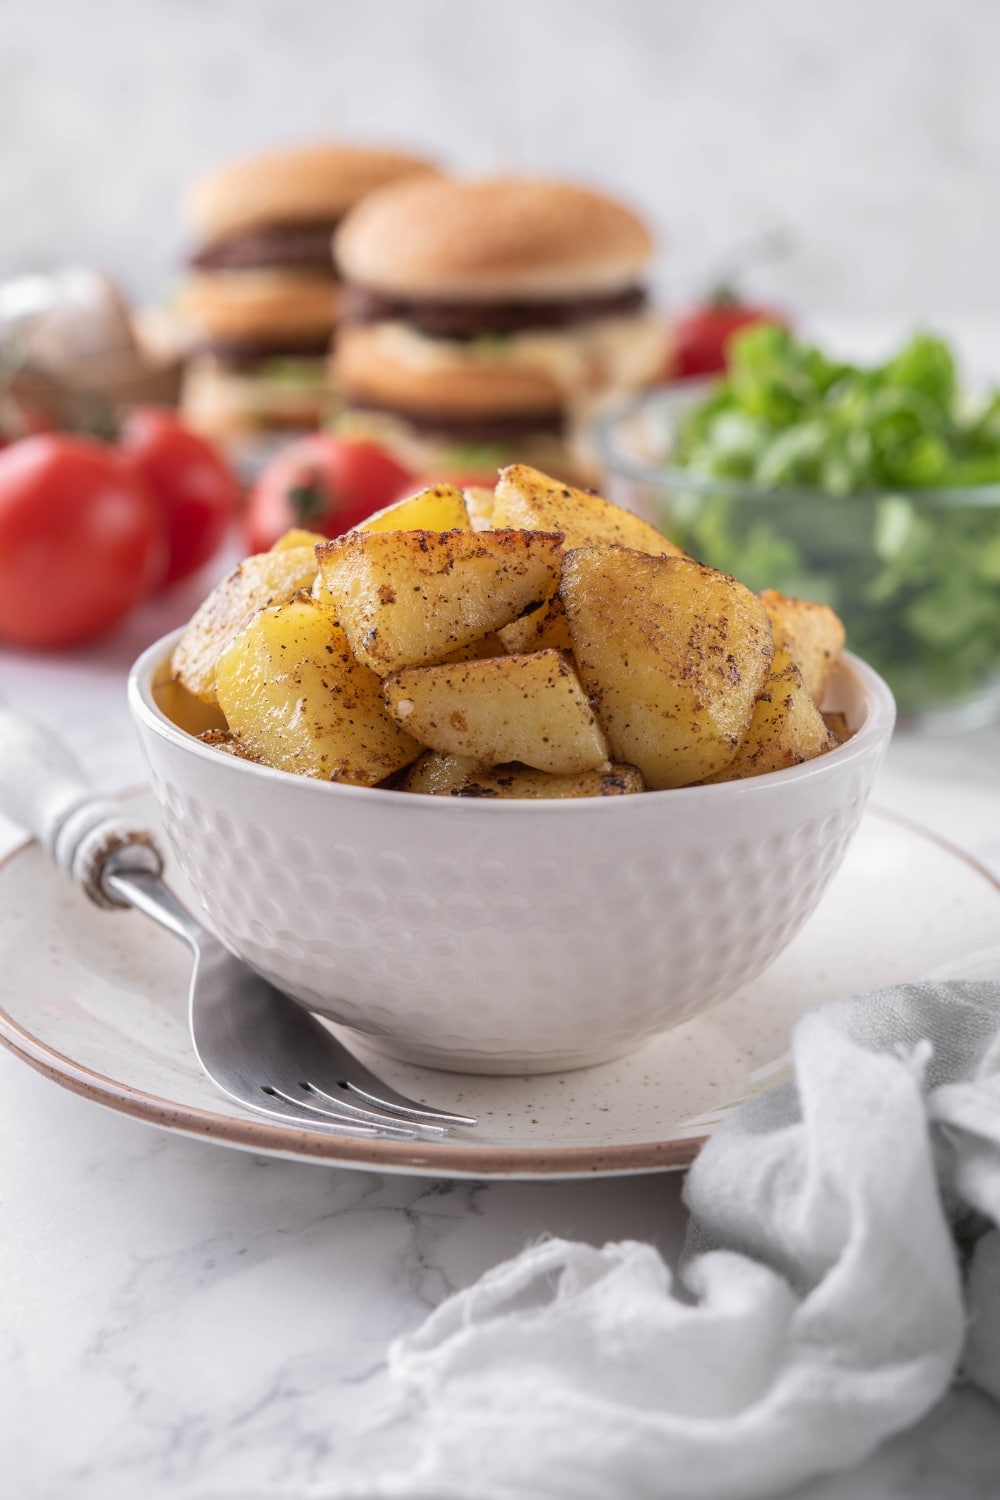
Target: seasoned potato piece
411,597
439,508
227,742
811,634
297,538
535,641
786,727
526,708
527,498
488,645
531,500
266,578
295,698
479,504
522,781
674,656
438,775
455,776
543,629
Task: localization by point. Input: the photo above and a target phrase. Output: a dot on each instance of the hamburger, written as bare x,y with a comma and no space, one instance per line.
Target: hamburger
262,294
483,321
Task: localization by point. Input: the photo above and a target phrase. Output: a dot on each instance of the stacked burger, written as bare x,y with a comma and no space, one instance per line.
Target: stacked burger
262,291
483,321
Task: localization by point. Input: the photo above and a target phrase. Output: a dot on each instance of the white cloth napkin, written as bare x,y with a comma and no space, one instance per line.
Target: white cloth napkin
823,1304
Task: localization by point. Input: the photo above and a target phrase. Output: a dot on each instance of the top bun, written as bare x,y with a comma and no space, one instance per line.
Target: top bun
309,185
499,239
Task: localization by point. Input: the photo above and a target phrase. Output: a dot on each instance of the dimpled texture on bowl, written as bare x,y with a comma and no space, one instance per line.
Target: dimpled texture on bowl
504,936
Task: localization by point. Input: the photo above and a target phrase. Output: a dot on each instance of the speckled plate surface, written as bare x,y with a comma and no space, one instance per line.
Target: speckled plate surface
97,1001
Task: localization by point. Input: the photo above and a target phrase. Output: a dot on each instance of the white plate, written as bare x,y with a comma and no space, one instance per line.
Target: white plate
97,1001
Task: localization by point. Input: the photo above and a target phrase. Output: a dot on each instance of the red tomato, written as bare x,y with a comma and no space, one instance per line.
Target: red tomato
323,483
81,540
197,491
702,333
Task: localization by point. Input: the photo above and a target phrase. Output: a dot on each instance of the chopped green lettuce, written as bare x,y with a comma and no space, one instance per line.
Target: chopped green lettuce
853,461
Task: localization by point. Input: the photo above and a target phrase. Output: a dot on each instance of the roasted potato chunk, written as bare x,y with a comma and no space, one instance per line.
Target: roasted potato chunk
544,629
674,656
525,708
228,743
786,728
438,508
812,635
535,641
487,645
522,781
406,598
437,775
297,538
266,578
295,698
531,500
524,497
479,504
455,776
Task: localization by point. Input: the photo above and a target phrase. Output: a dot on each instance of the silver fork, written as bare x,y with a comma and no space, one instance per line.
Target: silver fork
256,1044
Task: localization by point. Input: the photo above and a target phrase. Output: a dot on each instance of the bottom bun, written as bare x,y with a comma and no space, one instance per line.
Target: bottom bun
228,404
449,456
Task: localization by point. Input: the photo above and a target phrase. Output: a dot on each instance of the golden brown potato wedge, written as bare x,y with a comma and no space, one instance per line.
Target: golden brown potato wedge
811,634
674,656
266,578
295,698
786,728
415,597
533,501
530,709
487,645
479,504
297,538
455,776
528,636
544,629
522,781
437,775
439,508
228,743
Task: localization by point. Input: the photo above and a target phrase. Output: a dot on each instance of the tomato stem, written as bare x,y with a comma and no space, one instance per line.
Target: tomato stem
309,499
723,295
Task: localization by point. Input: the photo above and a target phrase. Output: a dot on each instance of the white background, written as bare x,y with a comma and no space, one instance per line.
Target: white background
868,130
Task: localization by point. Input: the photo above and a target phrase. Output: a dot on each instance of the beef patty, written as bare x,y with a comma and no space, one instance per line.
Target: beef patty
474,320
284,247
250,354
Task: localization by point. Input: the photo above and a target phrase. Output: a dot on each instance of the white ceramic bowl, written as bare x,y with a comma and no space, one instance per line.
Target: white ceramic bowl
507,936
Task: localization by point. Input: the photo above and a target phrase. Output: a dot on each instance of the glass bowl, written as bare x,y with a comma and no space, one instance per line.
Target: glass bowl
913,574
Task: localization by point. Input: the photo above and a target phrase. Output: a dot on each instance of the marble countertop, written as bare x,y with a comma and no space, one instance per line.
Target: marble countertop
182,1320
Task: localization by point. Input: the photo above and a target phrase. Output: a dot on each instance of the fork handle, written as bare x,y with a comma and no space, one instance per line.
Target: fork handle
44,789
